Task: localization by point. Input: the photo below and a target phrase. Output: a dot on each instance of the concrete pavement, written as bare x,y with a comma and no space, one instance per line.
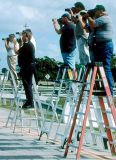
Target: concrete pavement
14,146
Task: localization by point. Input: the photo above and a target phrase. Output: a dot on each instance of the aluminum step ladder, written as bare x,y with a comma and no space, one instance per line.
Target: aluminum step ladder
62,80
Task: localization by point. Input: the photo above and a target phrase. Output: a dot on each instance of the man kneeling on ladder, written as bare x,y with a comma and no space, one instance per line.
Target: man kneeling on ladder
66,28
26,58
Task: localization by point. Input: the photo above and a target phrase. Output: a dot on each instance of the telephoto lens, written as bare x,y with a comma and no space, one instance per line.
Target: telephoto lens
67,9
17,32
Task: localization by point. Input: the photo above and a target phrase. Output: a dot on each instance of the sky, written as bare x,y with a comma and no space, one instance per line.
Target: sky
38,14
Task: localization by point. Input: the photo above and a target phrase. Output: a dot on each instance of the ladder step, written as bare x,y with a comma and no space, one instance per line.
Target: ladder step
98,134
11,118
91,120
110,127
60,134
73,145
98,80
103,111
113,142
80,113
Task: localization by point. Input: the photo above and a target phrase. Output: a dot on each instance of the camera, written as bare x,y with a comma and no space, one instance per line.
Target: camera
85,14
91,13
7,39
73,9
19,40
17,32
60,21
67,9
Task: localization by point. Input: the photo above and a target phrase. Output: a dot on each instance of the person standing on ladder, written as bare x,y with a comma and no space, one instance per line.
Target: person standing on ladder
26,62
67,40
103,50
81,33
10,43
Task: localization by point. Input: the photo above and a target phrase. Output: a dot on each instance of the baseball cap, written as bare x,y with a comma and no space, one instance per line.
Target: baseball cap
12,35
66,15
99,8
79,5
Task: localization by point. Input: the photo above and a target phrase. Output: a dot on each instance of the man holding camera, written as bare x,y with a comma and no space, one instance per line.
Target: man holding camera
81,33
67,40
103,50
26,62
10,44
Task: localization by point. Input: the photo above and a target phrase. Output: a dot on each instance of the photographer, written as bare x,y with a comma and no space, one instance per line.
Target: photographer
81,32
67,40
103,50
32,38
91,31
20,38
11,44
26,62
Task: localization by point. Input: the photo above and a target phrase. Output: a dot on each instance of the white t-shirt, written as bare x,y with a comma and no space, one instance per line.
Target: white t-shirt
11,51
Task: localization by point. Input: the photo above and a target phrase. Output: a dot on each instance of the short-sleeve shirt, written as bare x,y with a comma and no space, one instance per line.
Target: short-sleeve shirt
104,30
68,38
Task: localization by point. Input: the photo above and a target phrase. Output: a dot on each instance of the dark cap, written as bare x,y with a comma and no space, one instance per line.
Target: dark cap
66,15
99,8
79,5
12,35
28,30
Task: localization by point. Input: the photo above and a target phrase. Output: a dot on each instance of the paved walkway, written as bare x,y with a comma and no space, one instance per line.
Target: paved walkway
16,146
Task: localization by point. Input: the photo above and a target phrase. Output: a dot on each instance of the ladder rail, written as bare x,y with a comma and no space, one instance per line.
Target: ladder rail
108,92
86,112
75,114
106,122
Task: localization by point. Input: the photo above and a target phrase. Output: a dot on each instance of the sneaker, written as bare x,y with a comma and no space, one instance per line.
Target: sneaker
28,105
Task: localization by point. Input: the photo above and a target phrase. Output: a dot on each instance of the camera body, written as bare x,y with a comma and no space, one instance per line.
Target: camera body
19,40
67,9
91,13
60,21
7,39
73,9
17,32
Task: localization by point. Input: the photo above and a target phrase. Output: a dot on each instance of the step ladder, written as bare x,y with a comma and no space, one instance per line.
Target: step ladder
52,105
66,117
9,87
17,114
60,90
97,71
3,78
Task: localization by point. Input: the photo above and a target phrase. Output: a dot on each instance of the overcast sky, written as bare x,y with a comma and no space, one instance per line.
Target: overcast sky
37,14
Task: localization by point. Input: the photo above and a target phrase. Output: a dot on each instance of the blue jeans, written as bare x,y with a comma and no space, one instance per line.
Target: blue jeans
103,53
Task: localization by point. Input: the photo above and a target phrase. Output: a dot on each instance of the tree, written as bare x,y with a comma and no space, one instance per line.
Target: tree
113,66
45,66
113,61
